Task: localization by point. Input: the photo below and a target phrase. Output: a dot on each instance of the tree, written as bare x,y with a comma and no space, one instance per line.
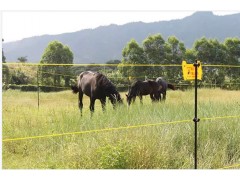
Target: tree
233,50
22,59
190,55
155,50
57,53
175,55
133,54
233,57
115,61
203,49
3,57
5,72
210,51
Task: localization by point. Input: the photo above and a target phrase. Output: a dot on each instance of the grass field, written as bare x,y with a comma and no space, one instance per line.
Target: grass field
145,144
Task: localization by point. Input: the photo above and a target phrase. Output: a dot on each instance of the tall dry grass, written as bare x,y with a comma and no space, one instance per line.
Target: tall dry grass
153,146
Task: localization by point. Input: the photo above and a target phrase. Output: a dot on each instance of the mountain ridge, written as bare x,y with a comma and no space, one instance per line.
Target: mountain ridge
105,43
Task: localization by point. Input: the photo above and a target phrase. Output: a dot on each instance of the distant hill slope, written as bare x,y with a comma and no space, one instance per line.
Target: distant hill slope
106,42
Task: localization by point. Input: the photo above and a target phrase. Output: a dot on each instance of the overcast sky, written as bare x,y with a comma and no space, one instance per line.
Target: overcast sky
19,21
19,25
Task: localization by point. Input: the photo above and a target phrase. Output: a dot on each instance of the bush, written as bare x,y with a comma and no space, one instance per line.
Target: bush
122,87
29,88
231,86
35,88
14,86
51,89
18,77
114,157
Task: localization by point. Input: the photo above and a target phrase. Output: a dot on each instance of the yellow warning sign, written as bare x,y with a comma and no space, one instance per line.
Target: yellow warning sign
189,71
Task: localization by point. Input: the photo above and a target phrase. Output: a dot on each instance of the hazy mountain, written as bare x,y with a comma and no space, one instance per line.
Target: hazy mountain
106,42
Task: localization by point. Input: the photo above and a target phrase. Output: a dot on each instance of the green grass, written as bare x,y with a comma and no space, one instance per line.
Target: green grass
167,146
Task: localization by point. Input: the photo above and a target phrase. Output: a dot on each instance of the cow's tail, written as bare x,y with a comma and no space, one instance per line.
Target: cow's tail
171,86
75,89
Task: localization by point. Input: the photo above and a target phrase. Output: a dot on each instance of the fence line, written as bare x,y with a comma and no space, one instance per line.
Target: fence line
121,128
41,85
94,131
221,65
68,87
218,118
113,129
232,166
63,87
102,65
125,77
44,72
122,65
74,76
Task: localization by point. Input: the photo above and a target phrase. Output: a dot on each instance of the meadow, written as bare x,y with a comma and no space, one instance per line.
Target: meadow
148,136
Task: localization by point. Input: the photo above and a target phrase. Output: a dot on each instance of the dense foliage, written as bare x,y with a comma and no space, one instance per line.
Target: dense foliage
154,50
139,61
56,53
5,71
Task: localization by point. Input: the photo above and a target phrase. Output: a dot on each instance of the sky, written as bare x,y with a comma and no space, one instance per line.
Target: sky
22,24
19,21
19,25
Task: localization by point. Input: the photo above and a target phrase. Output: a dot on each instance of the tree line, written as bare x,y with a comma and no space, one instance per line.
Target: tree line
153,50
